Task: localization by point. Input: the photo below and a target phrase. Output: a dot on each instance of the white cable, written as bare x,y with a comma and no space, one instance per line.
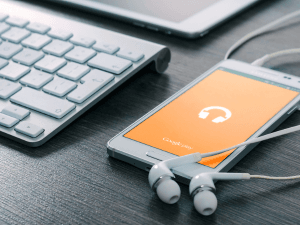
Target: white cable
262,138
274,178
261,61
261,30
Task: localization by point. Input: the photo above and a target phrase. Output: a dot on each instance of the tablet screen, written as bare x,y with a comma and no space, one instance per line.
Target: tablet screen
171,10
223,110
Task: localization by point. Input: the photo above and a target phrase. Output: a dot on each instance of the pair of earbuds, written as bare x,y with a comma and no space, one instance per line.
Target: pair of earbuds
201,187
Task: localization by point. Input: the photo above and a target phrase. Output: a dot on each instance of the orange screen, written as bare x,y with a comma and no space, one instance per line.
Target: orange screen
222,110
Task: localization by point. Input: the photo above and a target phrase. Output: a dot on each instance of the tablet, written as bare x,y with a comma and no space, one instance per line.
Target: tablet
185,18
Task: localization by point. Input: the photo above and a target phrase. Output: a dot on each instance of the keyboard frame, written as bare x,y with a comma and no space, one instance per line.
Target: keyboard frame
157,55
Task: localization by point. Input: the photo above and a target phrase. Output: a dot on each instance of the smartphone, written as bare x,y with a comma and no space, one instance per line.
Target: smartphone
227,105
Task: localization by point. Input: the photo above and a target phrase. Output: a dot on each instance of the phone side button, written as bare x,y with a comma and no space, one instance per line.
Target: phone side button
292,110
157,156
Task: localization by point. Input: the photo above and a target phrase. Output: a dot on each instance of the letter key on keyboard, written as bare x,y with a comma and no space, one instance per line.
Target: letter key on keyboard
3,16
7,50
8,88
3,27
83,41
28,57
59,87
60,34
72,71
18,22
110,63
15,34
3,63
36,41
43,102
36,79
58,48
38,28
104,47
80,54
14,71
50,63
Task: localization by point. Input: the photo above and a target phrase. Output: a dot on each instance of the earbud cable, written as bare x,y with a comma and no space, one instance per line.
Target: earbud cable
259,31
274,178
262,138
261,61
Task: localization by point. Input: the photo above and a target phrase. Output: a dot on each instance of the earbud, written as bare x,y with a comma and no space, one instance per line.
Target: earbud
202,190
160,177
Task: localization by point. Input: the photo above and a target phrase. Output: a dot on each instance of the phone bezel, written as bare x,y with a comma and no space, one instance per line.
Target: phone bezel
195,26
119,146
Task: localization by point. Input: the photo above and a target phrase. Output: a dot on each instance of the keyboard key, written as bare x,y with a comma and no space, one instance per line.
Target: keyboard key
109,63
50,63
59,87
36,79
28,57
83,41
3,17
7,50
8,88
14,71
38,28
15,112
3,63
73,71
15,34
29,129
80,54
42,102
97,75
104,47
18,22
60,34
36,41
58,48
7,121
131,55
84,91
3,27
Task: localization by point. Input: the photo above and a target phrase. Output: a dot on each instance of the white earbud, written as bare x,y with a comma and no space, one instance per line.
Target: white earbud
160,177
202,190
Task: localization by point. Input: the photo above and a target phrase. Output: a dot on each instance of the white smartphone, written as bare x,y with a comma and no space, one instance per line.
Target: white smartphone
229,104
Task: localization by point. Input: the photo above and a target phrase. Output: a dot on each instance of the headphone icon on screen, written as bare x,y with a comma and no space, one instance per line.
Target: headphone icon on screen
203,114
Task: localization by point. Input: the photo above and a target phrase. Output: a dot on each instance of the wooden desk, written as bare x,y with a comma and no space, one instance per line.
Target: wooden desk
71,179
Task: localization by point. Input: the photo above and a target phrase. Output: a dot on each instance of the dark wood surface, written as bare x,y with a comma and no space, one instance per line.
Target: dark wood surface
71,179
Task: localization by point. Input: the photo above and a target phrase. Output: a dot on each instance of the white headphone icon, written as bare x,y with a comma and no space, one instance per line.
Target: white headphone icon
203,114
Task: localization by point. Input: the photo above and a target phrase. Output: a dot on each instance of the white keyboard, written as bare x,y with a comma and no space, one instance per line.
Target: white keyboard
53,69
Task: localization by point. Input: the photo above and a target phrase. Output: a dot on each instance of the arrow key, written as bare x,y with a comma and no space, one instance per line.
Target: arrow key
29,129
7,121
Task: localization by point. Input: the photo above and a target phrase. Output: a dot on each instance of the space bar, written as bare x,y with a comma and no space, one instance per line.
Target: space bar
42,102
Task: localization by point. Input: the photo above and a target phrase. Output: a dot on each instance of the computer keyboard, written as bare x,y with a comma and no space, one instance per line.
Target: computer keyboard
53,69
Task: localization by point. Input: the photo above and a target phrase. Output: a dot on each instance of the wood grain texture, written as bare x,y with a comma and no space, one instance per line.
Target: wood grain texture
71,179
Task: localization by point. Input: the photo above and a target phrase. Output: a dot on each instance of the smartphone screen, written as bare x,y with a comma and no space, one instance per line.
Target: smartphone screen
222,110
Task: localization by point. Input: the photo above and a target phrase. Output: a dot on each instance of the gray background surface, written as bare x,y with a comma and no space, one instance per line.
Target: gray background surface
71,179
